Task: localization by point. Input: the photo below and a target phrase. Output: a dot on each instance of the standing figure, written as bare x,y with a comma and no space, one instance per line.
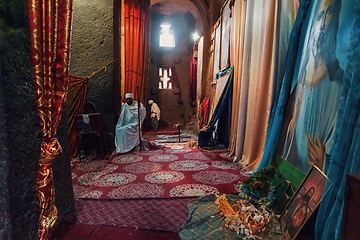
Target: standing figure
155,115
127,127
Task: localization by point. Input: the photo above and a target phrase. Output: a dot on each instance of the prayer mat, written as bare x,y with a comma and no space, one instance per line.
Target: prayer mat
172,172
205,221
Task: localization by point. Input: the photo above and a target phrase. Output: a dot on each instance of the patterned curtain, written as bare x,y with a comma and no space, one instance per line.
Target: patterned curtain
75,102
135,47
50,26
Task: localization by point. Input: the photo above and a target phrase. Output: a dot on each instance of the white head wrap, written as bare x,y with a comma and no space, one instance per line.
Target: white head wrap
129,95
151,101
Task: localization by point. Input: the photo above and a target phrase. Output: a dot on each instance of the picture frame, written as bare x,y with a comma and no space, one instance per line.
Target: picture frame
225,37
217,49
304,202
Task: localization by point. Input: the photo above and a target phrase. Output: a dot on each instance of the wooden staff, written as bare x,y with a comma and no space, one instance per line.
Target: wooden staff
139,119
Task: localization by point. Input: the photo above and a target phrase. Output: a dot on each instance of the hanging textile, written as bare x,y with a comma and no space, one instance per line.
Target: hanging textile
314,103
220,118
324,94
278,110
49,26
75,102
193,75
287,15
237,26
345,151
135,47
177,85
253,54
203,113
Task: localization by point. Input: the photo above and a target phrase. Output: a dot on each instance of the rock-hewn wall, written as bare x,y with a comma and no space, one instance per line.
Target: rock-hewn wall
20,135
179,57
91,49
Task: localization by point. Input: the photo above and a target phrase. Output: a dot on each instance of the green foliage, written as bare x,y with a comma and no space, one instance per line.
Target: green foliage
263,182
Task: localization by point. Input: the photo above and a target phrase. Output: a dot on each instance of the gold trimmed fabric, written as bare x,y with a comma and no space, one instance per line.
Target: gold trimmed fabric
75,102
49,26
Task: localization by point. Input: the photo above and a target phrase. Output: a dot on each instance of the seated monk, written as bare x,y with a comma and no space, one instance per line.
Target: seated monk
127,127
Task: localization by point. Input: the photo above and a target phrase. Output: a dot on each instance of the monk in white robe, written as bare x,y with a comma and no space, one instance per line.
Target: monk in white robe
155,115
127,127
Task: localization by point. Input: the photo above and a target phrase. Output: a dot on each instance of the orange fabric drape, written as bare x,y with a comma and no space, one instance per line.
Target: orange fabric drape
135,25
75,105
237,48
253,42
49,26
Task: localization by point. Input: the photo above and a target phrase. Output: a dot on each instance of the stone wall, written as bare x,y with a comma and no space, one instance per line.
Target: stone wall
20,135
179,57
91,49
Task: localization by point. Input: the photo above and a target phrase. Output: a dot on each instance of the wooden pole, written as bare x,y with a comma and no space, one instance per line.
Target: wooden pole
139,118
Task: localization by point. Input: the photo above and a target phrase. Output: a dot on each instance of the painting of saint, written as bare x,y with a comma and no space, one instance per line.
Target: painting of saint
319,77
304,202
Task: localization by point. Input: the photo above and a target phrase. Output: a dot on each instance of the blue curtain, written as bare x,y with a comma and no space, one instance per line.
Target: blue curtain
345,149
225,96
345,153
277,114
220,115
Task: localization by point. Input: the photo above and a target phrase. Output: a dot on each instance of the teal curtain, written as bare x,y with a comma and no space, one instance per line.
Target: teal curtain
345,153
278,110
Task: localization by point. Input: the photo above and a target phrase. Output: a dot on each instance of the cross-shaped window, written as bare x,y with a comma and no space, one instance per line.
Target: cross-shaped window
165,78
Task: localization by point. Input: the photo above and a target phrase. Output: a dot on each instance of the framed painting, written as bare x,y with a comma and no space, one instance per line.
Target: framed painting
217,49
304,202
225,37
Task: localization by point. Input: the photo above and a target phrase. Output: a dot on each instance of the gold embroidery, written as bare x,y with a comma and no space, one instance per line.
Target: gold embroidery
46,19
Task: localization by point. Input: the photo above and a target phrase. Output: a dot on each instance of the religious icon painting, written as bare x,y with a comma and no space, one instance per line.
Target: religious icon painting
304,202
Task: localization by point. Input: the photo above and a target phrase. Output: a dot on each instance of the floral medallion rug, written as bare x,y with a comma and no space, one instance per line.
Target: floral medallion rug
170,172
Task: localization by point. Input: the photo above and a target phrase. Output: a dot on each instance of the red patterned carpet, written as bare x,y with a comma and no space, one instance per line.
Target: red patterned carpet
149,214
91,232
143,195
172,172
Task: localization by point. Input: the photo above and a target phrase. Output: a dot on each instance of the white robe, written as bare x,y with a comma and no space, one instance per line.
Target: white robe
127,127
155,111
